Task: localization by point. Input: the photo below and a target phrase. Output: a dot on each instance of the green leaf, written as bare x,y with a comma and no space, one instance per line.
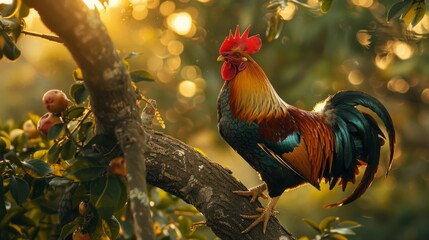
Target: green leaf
107,195
84,170
55,131
350,224
141,75
78,92
83,132
19,189
13,213
326,222
185,225
59,181
397,9
68,150
313,224
325,5
54,153
111,227
4,145
338,237
10,50
70,227
11,156
420,13
36,168
343,231
75,112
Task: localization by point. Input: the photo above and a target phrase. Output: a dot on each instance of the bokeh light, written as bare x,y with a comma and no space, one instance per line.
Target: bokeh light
187,88
180,22
398,85
355,77
363,3
403,50
425,95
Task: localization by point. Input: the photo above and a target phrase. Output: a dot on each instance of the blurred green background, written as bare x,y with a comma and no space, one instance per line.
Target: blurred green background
350,47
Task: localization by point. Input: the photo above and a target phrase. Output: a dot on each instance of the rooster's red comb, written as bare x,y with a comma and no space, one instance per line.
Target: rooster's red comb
244,43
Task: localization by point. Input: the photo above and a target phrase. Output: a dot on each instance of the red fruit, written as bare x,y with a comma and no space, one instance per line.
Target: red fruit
46,122
78,234
30,129
83,207
118,166
55,101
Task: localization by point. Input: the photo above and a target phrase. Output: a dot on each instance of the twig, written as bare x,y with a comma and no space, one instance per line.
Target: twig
44,36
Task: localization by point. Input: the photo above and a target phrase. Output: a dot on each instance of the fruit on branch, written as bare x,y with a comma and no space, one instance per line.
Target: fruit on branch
55,101
46,122
118,166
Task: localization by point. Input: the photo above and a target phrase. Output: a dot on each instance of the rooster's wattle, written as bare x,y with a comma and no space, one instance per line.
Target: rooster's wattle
289,146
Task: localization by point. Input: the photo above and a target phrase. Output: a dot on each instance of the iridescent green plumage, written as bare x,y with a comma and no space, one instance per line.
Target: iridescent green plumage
289,146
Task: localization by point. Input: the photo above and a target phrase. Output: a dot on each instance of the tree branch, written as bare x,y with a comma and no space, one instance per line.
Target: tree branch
171,164
113,99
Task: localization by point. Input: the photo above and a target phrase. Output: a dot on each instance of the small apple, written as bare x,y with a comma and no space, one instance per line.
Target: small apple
55,101
83,207
78,234
30,129
118,166
46,122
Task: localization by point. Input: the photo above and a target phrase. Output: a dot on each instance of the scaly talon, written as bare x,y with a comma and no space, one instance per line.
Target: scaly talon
254,192
264,216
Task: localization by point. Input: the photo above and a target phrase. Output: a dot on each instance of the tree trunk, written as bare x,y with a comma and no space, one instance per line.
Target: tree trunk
171,164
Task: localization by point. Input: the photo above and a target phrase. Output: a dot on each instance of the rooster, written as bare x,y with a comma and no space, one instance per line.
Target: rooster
289,146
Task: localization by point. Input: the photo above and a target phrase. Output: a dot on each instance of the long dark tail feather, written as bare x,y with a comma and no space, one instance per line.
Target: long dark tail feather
354,98
358,133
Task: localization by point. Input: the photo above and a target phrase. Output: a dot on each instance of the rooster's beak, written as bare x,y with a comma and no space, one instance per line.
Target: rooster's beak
220,58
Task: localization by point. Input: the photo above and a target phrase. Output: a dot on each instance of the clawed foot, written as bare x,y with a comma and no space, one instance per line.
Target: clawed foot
254,192
264,217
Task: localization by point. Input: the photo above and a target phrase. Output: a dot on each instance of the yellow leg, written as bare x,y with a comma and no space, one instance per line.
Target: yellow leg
254,192
264,216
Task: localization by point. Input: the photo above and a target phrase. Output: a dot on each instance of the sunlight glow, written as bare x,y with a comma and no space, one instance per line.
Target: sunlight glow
403,50
398,85
383,62
92,4
180,22
6,1
363,3
187,88
355,77
425,95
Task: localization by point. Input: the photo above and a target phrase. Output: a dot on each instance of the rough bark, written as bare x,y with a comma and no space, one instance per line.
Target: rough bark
171,164
113,100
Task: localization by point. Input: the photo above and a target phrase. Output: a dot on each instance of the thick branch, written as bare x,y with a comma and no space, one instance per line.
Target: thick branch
113,100
172,165
184,172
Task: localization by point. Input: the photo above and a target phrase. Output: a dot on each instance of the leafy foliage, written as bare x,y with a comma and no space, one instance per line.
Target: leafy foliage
11,25
71,160
332,228
410,11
